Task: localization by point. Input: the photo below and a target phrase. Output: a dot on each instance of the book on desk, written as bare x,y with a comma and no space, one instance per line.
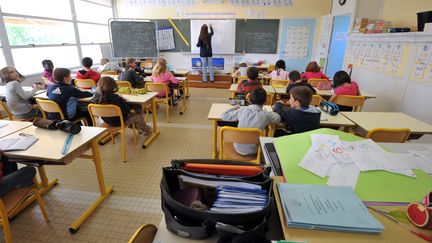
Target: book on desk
21,143
326,208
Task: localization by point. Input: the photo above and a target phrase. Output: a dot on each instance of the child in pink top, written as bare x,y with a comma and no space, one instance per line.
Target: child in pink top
279,72
343,85
161,75
313,71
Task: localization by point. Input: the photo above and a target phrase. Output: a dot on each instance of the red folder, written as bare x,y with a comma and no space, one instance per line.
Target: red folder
219,169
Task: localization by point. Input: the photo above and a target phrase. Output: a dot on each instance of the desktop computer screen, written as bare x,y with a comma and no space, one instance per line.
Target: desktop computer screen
218,63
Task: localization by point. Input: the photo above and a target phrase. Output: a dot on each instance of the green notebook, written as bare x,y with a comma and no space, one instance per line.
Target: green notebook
375,186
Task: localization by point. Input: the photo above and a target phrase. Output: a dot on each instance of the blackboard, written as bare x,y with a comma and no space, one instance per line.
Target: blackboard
184,27
256,36
133,39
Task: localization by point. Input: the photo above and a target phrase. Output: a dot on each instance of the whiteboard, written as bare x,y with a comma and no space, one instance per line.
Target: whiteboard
223,41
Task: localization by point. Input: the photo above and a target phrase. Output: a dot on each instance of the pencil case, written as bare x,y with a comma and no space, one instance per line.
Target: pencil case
198,223
329,107
420,214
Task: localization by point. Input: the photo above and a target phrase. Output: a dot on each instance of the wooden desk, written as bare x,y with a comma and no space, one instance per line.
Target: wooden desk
183,73
366,121
12,127
216,110
392,232
48,149
233,89
114,76
324,93
141,99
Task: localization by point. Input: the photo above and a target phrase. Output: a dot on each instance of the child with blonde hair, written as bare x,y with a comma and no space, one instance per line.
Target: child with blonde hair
161,75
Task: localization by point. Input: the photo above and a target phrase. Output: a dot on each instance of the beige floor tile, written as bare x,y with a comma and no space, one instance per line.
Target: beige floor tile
136,197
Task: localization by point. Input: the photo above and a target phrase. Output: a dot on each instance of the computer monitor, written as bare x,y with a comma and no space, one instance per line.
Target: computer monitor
218,63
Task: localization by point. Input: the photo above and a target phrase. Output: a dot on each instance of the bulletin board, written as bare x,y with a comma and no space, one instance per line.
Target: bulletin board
297,42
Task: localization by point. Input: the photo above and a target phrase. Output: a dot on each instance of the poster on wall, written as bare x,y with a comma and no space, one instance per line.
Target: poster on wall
296,42
166,39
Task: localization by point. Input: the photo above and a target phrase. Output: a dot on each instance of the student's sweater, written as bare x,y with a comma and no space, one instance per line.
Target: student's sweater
17,98
309,75
247,86
114,99
166,78
252,116
279,74
132,77
299,120
90,74
66,97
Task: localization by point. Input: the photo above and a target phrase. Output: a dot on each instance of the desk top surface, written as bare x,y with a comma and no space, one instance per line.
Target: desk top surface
371,120
133,99
11,127
267,88
217,109
51,142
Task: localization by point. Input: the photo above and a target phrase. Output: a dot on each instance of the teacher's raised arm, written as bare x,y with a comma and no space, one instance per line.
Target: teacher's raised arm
206,52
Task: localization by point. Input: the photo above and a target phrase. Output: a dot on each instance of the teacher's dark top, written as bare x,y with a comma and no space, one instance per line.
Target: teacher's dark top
204,50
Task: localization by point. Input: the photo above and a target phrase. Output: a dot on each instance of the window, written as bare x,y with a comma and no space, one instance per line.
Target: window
2,59
85,11
92,33
24,31
92,51
44,8
62,56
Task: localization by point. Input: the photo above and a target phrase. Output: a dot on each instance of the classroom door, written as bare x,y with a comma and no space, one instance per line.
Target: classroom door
338,43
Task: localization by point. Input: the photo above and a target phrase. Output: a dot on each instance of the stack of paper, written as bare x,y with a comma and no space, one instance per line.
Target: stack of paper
17,143
326,208
343,161
231,199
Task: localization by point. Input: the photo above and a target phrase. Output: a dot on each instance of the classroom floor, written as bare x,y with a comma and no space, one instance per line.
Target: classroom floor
136,197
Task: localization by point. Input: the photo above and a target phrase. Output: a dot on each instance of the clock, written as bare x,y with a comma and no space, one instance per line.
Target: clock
342,2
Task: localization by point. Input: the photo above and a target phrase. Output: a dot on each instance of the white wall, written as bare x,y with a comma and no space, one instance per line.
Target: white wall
348,7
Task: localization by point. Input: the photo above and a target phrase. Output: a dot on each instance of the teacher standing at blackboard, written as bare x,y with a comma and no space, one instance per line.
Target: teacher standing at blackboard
206,52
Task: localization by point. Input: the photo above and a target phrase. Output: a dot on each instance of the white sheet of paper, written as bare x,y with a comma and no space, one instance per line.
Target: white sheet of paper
407,172
343,175
397,161
423,160
312,163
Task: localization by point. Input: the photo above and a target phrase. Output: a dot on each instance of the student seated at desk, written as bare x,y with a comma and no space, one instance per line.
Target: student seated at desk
279,73
87,72
242,70
106,65
296,81
343,85
252,116
161,75
252,83
18,100
66,96
13,178
48,71
313,71
105,94
129,74
300,116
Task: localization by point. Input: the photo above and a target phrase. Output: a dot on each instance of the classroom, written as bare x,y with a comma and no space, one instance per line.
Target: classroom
125,56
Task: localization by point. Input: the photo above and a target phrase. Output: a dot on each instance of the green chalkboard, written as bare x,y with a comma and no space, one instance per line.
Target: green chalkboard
132,38
256,36
184,27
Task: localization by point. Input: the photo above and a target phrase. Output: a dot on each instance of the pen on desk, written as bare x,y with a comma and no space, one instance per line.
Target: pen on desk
387,215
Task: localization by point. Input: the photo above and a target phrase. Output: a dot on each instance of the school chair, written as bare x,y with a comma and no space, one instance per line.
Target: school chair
269,99
98,110
145,234
167,100
14,201
121,83
315,81
355,101
271,68
389,135
109,72
231,135
52,107
279,83
46,81
5,109
241,78
85,83
316,100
